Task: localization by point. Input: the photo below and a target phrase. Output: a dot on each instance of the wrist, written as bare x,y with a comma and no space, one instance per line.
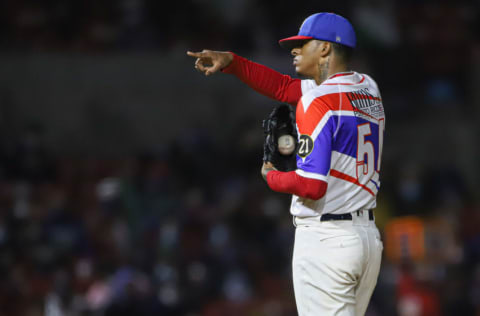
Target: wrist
230,67
265,173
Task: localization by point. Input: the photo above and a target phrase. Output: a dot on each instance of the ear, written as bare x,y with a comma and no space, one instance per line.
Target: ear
325,48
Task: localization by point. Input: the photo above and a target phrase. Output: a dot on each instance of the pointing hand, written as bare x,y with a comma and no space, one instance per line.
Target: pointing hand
210,62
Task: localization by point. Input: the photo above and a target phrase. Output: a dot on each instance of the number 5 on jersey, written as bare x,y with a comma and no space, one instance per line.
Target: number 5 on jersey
366,151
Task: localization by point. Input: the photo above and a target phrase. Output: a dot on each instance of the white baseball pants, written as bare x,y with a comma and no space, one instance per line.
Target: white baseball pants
335,265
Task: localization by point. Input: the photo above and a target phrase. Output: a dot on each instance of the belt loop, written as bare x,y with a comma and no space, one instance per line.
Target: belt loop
370,215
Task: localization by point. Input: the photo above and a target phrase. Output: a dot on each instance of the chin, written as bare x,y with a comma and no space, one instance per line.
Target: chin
301,73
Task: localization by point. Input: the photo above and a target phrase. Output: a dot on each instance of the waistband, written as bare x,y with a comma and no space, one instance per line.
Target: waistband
345,216
356,217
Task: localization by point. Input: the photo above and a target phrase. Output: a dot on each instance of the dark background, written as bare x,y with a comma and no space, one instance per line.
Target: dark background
130,184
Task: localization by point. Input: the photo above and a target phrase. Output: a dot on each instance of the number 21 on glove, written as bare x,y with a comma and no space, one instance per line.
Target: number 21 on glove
366,150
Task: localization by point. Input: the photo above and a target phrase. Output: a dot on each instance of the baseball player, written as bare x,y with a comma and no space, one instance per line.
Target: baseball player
340,122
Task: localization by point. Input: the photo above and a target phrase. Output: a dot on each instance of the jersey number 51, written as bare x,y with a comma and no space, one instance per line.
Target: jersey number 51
366,151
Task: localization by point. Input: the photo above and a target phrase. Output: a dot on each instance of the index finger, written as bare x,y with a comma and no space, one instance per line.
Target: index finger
193,54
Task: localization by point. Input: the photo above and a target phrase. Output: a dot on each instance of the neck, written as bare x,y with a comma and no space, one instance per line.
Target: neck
328,69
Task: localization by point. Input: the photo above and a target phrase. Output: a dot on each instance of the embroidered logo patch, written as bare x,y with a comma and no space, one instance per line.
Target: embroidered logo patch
305,145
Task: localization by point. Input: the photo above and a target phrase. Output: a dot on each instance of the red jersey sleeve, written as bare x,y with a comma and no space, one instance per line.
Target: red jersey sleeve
265,80
291,182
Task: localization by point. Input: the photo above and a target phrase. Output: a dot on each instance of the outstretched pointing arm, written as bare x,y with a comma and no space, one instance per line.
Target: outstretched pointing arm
262,79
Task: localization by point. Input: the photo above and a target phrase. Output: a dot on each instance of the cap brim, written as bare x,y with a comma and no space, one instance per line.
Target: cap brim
294,41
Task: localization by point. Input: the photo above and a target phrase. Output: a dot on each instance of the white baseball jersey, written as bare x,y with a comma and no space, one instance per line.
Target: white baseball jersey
341,125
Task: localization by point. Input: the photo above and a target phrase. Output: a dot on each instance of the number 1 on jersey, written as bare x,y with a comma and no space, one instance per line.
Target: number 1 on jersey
381,129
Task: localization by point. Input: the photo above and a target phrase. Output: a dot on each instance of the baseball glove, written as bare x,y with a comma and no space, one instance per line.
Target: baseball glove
280,122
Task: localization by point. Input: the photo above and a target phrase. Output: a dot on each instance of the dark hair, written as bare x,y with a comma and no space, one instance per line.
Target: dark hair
343,52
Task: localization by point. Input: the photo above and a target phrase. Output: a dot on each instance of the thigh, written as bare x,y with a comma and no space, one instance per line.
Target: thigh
327,265
368,280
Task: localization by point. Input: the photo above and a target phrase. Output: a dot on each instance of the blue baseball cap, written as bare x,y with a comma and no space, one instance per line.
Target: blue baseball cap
325,27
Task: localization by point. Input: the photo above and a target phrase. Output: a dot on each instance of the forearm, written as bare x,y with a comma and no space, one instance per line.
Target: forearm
292,183
266,81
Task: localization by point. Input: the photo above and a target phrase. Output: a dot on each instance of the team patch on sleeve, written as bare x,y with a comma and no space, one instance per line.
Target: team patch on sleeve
305,145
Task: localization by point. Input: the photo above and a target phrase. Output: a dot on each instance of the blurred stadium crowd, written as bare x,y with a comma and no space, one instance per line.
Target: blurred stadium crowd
191,229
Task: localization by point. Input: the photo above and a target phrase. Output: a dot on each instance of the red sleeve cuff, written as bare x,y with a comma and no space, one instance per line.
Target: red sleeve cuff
270,176
291,182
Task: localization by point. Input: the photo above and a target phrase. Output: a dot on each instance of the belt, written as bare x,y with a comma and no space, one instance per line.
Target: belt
343,217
